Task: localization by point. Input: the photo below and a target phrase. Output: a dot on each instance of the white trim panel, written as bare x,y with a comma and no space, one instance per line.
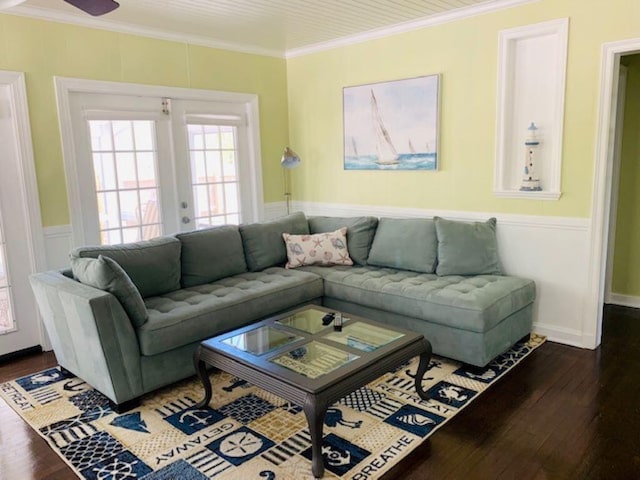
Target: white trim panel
58,244
603,183
549,250
532,63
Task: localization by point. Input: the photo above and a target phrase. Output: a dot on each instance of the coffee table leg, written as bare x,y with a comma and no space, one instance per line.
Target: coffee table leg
425,358
201,371
315,418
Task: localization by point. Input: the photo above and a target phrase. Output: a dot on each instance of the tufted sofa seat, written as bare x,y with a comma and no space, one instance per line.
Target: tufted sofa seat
181,317
127,318
475,303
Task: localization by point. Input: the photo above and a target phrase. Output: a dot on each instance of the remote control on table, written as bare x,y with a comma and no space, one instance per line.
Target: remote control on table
337,322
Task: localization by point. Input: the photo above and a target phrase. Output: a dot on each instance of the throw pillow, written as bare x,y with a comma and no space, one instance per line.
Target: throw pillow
467,248
406,244
153,265
360,232
328,248
105,273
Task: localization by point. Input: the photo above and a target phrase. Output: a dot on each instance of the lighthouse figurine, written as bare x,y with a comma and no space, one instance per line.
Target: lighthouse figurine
530,181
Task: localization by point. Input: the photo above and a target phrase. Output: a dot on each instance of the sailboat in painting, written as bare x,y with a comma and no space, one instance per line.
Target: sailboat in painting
386,151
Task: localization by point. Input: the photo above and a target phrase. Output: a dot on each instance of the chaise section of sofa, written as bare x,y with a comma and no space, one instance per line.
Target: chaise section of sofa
468,318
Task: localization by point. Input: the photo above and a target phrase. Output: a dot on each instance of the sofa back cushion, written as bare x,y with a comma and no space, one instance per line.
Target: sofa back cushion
406,244
263,243
211,254
105,273
153,265
360,232
467,248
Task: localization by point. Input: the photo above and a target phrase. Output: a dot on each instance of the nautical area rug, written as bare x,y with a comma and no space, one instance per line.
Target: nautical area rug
246,433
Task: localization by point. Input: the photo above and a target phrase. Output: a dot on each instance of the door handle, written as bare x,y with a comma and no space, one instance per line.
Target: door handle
186,220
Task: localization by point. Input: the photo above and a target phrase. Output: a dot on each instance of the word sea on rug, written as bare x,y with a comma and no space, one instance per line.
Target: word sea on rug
246,433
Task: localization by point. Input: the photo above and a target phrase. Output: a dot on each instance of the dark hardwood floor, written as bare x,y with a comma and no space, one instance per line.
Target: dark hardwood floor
563,413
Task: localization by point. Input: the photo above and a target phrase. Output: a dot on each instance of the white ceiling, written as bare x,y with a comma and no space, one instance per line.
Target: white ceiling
271,27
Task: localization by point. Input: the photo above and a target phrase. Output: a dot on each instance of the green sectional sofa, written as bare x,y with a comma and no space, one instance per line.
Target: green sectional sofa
127,318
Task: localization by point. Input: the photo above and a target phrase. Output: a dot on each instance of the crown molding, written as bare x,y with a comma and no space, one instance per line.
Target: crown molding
430,21
127,28
122,27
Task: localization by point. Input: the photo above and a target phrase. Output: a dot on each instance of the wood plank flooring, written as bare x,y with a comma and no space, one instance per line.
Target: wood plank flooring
563,413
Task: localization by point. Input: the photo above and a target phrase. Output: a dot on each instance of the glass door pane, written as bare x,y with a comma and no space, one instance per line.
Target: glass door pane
213,151
126,179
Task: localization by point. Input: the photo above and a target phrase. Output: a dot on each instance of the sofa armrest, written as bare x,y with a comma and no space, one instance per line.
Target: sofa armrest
91,334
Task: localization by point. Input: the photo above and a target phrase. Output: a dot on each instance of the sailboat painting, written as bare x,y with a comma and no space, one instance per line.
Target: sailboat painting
392,125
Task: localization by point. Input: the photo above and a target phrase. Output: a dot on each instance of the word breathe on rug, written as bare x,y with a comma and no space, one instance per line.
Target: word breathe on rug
246,432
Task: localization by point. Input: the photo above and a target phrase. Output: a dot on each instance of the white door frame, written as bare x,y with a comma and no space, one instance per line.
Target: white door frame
66,86
603,186
30,203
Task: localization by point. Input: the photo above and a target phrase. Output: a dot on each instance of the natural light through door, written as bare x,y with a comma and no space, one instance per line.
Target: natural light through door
124,164
144,161
214,172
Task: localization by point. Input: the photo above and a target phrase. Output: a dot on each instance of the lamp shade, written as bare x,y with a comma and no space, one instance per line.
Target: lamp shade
290,159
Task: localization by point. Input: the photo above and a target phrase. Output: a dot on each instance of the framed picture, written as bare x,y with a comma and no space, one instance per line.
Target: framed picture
392,125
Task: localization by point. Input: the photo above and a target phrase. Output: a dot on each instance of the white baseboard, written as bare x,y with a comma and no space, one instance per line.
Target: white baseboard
623,300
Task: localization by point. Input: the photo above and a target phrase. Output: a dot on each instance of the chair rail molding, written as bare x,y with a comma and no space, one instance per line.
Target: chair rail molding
532,63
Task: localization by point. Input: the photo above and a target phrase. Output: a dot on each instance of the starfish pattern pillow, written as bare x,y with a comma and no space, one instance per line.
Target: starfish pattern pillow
329,248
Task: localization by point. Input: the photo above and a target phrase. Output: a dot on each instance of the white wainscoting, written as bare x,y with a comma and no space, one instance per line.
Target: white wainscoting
552,251
58,242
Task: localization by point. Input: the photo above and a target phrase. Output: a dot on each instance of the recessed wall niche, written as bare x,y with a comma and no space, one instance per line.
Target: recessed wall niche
532,63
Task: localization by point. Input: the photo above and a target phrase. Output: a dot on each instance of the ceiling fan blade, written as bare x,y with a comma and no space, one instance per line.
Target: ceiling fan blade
95,7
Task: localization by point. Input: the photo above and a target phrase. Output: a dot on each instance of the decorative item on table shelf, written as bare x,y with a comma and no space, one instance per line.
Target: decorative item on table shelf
92,7
289,160
530,180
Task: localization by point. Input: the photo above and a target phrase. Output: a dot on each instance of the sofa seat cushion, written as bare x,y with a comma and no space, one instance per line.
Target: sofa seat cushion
197,313
475,303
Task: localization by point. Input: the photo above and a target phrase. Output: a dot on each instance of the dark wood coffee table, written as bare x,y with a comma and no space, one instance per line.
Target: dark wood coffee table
312,365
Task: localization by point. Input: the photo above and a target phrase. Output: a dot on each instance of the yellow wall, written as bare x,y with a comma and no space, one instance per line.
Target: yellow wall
44,49
465,54
626,260
301,102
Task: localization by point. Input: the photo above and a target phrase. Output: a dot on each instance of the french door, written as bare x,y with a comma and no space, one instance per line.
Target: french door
19,221
146,165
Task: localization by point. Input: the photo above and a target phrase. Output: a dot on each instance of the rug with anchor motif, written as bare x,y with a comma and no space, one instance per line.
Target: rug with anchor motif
246,433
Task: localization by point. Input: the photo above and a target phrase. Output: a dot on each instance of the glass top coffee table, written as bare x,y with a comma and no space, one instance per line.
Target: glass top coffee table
301,357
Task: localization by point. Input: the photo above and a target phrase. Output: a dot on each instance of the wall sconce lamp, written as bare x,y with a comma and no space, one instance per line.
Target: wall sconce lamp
289,160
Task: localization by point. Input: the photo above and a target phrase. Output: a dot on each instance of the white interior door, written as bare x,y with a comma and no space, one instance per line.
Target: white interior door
19,320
